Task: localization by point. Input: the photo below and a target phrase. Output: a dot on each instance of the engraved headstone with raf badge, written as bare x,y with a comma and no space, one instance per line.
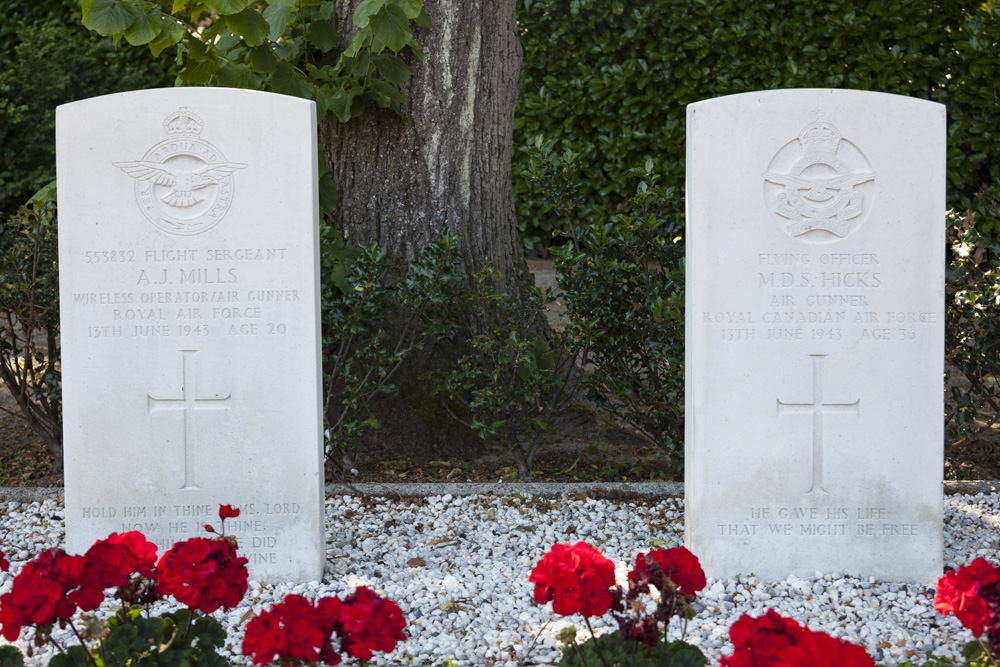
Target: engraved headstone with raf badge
190,321
814,334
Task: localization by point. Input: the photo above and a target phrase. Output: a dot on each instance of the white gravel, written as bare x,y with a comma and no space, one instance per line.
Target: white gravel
470,599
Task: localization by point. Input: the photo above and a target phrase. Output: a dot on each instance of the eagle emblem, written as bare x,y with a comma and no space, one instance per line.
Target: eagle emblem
184,185
819,186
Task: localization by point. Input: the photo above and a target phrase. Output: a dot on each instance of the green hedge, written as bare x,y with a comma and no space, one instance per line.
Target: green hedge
48,58
611,80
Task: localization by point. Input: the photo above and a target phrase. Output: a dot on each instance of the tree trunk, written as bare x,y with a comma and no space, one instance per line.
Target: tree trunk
400,185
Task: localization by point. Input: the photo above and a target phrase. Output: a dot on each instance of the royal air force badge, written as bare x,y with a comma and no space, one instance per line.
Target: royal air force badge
184,185
818,186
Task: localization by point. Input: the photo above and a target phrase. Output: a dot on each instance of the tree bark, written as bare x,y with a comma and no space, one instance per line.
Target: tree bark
400,185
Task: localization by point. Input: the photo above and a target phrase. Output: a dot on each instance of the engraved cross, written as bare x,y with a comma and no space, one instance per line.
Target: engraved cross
188,404
818,408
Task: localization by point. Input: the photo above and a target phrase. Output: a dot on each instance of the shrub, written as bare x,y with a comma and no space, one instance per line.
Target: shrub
511,381
623,286
972,330
370,329
29,319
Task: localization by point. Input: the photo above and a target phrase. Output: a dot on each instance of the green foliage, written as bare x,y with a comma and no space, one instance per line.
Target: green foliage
611,650
623,286
29,318
181,637
972,329
284,46
511,381
611,80
47,59
11,657
369,330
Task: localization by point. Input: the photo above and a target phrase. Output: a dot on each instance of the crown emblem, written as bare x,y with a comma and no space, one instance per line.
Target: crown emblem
820,138
183,123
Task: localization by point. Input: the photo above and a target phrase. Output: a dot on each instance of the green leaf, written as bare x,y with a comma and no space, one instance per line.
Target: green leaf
263,60
11,657
365,10
198,72
322,35
385,92
178,6
392,27
46,194
250,25
227,6
357,42
392,68
327,191
279,18
144,30
340,105
236,76
972,650
209,633
171,32
287,81
411,8
423,20
283,4
110,17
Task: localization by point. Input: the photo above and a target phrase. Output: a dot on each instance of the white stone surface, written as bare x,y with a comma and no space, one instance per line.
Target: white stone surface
815,297
188,264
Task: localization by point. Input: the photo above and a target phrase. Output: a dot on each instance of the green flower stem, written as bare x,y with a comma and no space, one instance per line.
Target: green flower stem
579,652
76,633
597,646
986,651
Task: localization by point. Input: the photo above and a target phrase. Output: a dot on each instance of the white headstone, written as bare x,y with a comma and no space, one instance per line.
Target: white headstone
188,264
814,334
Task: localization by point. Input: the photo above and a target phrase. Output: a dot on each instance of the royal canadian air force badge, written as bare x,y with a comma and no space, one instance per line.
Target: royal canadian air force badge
819,186
184,185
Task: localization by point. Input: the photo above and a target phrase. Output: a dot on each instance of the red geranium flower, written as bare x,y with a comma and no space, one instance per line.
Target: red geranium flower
4,563
41,593
204,574
761,641
228,512
106,565
678,564
577,578
818,649
143,550
292,629
962,592
774,641
370,623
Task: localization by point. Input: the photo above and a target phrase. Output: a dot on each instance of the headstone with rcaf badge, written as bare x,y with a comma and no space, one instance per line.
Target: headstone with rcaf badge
814,334
188,222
